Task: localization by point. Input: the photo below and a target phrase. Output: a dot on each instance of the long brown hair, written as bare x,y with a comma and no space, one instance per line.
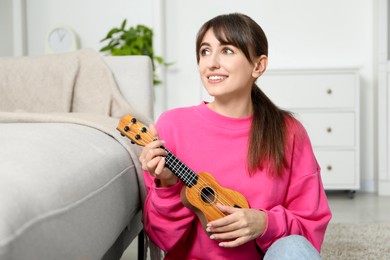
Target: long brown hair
268,130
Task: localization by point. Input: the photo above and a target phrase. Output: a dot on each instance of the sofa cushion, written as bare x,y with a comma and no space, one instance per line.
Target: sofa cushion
78,191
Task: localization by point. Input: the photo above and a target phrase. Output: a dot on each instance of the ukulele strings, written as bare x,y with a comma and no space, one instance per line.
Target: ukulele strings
201,182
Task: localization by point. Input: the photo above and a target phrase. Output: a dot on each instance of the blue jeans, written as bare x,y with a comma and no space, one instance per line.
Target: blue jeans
292,247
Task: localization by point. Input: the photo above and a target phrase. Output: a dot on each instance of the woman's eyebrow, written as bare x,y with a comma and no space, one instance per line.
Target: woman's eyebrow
220,44
205,44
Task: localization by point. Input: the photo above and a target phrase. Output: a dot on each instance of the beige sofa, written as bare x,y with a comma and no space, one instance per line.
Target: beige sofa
70,185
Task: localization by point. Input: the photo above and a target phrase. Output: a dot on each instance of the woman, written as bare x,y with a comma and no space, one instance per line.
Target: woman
248,145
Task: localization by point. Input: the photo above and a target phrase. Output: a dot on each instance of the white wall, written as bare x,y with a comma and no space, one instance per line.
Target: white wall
301,33
383,113
6,25
90,19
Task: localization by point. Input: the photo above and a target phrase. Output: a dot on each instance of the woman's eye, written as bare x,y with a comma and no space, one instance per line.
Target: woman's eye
204,52
228,51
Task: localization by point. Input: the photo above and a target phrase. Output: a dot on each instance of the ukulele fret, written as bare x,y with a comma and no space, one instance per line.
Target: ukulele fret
182,171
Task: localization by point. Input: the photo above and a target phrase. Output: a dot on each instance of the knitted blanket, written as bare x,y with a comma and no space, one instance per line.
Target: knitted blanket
76,87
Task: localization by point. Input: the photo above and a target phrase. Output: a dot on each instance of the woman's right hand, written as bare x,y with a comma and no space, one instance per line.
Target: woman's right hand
152,159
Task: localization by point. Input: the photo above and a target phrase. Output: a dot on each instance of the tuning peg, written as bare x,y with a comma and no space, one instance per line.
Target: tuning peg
126,128
122,134
134,120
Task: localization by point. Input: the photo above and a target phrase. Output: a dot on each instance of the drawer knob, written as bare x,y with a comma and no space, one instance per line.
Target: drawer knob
329,167
329,129
329,91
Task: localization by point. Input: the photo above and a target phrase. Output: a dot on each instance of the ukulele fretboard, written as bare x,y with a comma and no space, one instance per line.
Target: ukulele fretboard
182,171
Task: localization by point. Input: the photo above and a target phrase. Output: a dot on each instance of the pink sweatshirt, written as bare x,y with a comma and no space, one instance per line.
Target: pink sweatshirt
209,142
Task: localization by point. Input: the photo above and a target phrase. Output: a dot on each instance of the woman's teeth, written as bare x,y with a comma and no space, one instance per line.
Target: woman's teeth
216,77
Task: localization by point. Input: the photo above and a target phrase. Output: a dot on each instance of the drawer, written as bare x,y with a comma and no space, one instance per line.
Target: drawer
329,129
291,91
338,169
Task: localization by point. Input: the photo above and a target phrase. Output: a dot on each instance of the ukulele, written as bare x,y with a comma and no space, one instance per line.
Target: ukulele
201,191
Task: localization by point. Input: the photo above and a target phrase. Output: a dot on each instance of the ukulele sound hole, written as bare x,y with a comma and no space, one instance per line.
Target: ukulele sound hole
208,195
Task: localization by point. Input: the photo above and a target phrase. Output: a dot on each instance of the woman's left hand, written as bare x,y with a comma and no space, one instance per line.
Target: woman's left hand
238,227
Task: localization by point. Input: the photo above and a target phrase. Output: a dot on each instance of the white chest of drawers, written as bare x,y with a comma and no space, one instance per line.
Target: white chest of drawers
327,104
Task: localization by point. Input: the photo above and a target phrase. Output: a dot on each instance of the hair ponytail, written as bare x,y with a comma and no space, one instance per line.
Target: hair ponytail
266,141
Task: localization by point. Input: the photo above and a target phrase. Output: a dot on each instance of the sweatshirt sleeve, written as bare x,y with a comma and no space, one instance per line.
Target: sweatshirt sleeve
305,210
166,220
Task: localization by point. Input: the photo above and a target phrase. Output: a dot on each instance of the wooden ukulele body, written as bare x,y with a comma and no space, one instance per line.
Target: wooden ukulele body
205,194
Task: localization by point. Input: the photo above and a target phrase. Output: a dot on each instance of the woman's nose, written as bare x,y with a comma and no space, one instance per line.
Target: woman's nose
214,61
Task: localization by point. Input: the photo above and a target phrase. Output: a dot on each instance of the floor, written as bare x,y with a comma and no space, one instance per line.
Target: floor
362,208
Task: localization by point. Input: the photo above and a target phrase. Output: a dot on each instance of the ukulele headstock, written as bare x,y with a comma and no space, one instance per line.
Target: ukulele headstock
130,127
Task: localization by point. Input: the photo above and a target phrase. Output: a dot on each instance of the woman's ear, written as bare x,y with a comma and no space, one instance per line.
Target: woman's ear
260,66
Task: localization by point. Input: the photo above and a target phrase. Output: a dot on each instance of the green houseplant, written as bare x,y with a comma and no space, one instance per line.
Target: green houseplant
136,40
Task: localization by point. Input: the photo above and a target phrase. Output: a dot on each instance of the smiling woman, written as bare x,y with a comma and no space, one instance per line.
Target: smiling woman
262,152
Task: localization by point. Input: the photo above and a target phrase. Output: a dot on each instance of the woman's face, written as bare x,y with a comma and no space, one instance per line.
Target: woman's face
224,70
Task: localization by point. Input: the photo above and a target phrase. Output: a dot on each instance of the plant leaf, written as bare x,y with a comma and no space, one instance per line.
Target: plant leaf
123,24
105,48
110,34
